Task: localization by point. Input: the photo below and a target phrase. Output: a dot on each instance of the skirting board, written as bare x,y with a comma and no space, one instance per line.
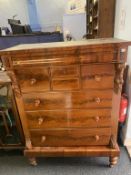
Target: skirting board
129,150
127,143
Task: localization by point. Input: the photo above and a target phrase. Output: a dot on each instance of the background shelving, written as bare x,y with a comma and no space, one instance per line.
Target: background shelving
100,18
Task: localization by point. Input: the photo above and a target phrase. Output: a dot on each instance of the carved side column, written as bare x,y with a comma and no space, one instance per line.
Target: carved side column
19,101
113,159
118,82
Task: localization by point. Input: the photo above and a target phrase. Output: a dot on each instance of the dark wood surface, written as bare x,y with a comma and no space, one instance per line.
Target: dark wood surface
71,137
68,96
100,18
68,100
77,118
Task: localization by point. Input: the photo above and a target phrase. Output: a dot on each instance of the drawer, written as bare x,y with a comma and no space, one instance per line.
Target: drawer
64,71
33,79
70,137
69,118
97,76
68,100
66,84
96,57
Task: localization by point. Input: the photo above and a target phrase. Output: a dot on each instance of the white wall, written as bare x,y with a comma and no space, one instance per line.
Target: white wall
123,30
75,24
8,8
50,13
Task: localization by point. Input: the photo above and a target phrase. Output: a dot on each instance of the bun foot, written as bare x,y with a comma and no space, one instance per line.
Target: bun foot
33,161
113,161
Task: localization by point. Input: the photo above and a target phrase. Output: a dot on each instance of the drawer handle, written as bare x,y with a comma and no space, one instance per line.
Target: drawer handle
37,103
97,118
97,138
40,121
33,81
97,100
97,78
43,139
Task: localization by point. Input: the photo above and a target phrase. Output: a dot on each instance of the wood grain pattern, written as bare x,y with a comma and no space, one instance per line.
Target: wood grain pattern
68,100
69,118
70,137
96,57
66,84
101,151
66,96
31,79
98,82
64,71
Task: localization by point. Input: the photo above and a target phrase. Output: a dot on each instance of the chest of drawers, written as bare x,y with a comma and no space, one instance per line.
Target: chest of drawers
68,96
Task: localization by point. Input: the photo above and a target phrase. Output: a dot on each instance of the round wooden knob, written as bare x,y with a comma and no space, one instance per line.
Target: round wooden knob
97,78
97,138
40,121
37,103
43,139
33,81
98,100
97,118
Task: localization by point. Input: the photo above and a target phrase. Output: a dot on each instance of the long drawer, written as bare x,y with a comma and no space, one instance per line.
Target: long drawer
70,137
68,100
69,118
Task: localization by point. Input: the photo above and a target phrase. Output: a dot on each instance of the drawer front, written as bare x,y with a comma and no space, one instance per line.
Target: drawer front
33,79
64,71
65,77
96,57
69,118
44,61
97,76
70,137
66,84
68,100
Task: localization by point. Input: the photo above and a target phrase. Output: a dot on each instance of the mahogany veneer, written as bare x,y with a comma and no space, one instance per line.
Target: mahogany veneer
68,96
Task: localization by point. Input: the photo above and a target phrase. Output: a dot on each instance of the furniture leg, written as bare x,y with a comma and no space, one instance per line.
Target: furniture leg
33,161
113,161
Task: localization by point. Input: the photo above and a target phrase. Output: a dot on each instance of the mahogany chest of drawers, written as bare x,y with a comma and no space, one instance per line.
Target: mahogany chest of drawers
68,96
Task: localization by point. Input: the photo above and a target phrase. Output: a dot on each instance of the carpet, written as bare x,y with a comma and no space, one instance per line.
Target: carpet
18,165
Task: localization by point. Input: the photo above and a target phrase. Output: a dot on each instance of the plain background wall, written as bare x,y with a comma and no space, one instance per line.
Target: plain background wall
8,8
75,24
50,13
33,15
123,31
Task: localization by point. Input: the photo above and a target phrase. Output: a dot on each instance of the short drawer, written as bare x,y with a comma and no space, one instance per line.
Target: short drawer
70,137
66,84
33,79
69,118
64,71
68,100
97,76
